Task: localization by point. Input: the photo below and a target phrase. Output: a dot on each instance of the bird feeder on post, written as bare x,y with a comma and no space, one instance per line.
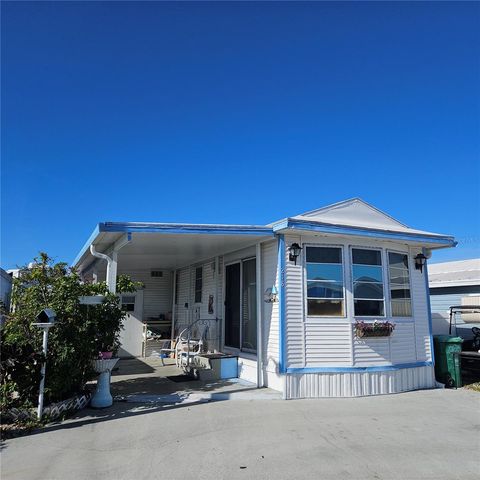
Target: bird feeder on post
45,320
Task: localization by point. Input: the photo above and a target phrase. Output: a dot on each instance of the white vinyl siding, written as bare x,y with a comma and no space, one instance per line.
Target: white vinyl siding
182,319
157,292
371,351
419,294
294,304
269,255
401,344
326,342
211,285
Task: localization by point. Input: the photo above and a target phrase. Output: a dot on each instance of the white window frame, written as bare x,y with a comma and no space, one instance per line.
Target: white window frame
128,296
195,286
384,260
387,251
305,280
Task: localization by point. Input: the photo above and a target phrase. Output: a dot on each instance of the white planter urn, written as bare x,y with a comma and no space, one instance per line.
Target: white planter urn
102,397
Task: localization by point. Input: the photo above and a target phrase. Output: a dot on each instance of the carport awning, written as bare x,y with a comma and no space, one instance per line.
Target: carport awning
169,246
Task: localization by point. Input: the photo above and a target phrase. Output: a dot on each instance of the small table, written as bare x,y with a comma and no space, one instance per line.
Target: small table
102,397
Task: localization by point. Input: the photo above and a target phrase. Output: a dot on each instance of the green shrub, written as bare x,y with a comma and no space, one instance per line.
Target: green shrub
80,332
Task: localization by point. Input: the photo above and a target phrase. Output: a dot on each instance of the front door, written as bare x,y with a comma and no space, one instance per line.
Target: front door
241,305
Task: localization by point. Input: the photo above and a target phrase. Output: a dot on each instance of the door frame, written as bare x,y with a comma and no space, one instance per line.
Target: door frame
243,351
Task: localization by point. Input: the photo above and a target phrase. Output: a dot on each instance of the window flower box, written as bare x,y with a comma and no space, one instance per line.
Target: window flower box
375,329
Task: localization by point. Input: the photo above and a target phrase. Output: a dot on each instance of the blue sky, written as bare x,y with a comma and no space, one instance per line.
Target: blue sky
235,113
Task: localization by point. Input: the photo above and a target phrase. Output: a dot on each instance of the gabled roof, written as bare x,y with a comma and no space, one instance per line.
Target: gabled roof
353,212
355,216
352,217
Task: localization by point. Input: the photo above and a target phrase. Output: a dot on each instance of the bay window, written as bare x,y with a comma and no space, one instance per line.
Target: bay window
325,288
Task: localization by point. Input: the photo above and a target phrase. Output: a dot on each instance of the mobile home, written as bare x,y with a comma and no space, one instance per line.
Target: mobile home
292,299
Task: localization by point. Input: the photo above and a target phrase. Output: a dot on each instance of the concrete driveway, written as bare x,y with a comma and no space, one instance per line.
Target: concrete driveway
419,435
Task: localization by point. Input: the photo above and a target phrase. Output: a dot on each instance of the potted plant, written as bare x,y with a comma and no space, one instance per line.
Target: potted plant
106,353
375,329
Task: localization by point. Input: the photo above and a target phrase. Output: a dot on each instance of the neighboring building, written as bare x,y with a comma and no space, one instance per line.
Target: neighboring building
5,288
354,263
453,284
5,294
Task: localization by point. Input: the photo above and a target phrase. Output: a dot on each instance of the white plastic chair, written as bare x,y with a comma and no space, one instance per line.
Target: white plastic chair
166,348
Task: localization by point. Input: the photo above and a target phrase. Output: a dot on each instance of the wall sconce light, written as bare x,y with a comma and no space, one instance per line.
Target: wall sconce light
420,261
294,252
271,295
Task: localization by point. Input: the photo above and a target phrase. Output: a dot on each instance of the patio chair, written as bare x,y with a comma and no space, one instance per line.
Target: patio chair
186,349
166,348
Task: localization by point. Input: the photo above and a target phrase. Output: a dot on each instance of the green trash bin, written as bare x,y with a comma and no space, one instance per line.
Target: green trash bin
447,360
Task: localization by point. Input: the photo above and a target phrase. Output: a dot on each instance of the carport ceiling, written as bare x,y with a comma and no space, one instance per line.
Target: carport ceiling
171,251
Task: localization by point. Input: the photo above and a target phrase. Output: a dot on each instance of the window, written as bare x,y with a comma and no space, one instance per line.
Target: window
325,292
198,284
367,283
128,303
399,284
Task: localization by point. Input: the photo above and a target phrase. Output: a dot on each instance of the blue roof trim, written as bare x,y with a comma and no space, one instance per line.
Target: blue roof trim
383,368
87,244
363,232
185,228
172,228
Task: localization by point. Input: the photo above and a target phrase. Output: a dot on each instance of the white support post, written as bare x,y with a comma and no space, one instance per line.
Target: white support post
258,263
174,305
112,260
112,273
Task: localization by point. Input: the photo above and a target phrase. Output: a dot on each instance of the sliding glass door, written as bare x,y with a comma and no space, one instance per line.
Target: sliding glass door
241,305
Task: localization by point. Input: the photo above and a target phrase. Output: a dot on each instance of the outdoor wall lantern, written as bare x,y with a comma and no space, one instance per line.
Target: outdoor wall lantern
295,249
420,261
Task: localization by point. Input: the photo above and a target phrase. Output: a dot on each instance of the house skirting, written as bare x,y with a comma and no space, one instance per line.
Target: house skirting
358,384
